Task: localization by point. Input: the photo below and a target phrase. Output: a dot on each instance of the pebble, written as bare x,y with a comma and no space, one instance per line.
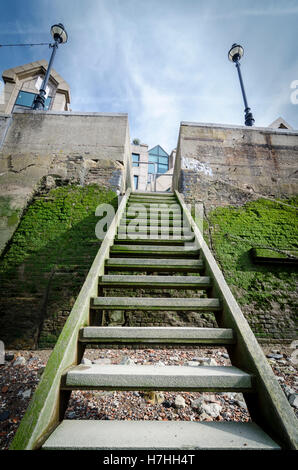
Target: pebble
209,398
27,393
275,356
127,361
180,402
225,355
20,361
212,409
205,417
167,404
196,404
293,400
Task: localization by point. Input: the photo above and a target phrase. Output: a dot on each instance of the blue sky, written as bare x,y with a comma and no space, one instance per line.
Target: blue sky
164,61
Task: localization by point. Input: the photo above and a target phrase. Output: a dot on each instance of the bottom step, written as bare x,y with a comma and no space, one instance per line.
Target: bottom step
112,435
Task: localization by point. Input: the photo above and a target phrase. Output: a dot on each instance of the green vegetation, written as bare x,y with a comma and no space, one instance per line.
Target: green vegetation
46,263
271,288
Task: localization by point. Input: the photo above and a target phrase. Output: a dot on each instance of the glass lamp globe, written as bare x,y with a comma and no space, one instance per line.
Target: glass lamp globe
59,33
235,53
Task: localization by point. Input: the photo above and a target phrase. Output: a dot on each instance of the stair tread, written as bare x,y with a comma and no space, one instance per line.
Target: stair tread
155,303
152,193
176,334
155,377
126,435
153,238
162,281
157,264
156,248
154,262
155,229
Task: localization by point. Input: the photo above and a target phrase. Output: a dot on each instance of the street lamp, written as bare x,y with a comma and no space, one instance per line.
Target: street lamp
60,36
235,54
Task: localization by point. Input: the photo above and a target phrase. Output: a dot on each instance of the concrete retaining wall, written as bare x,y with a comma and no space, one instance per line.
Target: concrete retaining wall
40,147
227,164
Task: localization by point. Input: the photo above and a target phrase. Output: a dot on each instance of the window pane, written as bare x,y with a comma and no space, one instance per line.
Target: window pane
135,159
153,158
163,160
136,181
47,103
151,168
162,168
25,99
161,152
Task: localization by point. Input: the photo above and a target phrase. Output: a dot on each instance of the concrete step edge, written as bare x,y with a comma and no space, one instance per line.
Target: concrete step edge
165,435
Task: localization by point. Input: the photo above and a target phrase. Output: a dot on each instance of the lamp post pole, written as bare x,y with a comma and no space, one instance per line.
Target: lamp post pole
235,54
60,36
40,98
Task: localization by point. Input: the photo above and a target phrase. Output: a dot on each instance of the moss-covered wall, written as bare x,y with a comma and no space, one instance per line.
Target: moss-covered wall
266,293
46,263
52,250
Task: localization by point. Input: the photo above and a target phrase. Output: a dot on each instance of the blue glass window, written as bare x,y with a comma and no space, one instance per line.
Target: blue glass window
26,100
135,159
136,181
159,156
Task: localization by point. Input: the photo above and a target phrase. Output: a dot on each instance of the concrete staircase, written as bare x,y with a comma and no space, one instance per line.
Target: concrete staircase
169,261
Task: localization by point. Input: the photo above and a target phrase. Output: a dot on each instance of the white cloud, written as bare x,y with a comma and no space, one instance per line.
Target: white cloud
165,61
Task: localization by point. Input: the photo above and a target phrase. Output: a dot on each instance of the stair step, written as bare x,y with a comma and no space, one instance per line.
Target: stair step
168,224
145,435
145,264
153,193
156,230
155,197
156,303
131,209
155,377
151,238
152,201
154,216
156,250
155,205
159,335
174,282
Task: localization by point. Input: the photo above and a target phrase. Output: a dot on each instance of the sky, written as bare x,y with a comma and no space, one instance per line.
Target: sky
164,61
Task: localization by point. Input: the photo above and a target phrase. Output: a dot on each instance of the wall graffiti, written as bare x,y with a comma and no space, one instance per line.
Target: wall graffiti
196,165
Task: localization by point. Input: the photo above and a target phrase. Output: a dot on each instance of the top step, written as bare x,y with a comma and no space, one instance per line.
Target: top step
150,194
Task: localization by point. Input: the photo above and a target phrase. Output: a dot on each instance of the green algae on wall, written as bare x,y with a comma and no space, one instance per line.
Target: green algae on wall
9,219
46,264
266,293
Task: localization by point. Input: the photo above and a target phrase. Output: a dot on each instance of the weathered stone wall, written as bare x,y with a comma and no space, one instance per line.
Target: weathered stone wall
46,263
41,148
223,165
238,173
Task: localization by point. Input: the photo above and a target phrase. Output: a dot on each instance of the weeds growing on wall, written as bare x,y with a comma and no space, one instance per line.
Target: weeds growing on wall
258,288
46,263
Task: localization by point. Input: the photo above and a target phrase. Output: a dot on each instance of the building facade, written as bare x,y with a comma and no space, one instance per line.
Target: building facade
152,169
22,84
